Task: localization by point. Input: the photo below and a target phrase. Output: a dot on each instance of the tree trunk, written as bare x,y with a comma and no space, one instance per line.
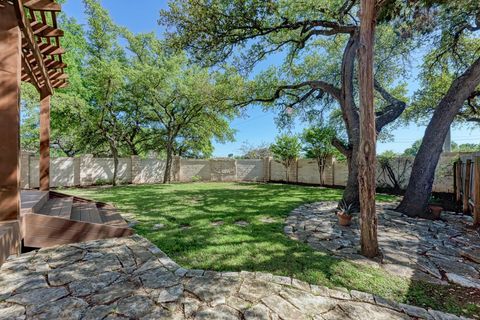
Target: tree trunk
321,169
368,134
419,189
114,151
350,194
168,164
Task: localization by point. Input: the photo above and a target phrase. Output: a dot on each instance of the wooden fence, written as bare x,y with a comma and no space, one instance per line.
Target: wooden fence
467,185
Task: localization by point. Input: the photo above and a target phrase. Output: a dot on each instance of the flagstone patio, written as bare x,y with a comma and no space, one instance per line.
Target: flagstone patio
130,278
439,251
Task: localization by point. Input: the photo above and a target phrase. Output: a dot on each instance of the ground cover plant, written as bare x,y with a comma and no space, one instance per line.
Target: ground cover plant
239,226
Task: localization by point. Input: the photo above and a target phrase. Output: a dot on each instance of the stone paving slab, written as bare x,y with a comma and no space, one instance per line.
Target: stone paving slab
439,251
130,278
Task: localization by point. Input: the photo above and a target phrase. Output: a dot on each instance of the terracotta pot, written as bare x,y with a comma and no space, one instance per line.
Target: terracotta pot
344,219
436,210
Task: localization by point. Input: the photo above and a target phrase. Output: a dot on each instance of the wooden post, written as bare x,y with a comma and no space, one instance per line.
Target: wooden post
466,187
333,171
458,181
368,134
45,143
476,193
10,76
296,170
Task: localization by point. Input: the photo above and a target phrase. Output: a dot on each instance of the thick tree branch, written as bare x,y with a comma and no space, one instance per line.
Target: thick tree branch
314,85
340,145
391,112
347,100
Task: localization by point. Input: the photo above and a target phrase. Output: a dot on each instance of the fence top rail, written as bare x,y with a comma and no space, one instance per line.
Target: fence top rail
469,156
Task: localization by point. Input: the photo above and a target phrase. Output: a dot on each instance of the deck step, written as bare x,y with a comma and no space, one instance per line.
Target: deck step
111,217
33,201
86,212
57,207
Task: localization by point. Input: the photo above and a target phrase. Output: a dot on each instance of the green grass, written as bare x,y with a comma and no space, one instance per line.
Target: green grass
188,212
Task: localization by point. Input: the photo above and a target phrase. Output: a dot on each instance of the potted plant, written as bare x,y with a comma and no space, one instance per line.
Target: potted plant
435,207
345,213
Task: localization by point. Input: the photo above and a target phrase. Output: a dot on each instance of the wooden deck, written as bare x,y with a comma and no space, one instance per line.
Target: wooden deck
51,218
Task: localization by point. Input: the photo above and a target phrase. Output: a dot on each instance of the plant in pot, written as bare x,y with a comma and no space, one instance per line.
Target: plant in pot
435,207
345,213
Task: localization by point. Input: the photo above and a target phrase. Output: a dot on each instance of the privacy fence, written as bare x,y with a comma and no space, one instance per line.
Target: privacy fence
467,184
87,170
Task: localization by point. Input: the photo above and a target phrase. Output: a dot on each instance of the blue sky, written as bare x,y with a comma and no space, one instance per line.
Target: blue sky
258,126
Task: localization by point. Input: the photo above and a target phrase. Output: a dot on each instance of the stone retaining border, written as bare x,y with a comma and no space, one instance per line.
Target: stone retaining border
132,278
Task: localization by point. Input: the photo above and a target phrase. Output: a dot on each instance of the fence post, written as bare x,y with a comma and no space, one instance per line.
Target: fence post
135,169
76,170
476,193
458,181
266,169
466,188
296,170
333,171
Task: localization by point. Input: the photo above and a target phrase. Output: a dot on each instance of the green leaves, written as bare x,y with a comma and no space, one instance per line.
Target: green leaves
318,142
286,148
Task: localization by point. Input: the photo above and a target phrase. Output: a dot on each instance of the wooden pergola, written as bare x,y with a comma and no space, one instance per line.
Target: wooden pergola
30,51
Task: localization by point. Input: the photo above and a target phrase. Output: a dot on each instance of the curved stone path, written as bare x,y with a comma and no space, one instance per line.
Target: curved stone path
130,278
435,251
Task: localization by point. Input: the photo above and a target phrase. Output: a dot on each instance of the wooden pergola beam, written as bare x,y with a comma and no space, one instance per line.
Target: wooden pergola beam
42,5
44,30
10,78
50,49
29,73
29,38
44,163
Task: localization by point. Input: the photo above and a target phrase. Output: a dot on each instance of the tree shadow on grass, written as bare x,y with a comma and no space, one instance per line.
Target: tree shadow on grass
190,238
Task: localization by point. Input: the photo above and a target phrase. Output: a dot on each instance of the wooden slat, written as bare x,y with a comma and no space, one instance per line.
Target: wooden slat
28,74
42,5
50,49
476,193
466,187
45,231
92,214
10,239
58,207
54,64
30,39
44,30
60,85
458,180
110,216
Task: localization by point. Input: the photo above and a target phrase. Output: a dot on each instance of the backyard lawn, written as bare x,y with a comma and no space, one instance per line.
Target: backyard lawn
239,226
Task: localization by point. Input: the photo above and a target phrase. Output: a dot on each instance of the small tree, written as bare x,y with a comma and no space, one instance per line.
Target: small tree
286,149
318,145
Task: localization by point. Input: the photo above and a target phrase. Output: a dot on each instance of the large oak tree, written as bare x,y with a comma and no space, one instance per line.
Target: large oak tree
318,41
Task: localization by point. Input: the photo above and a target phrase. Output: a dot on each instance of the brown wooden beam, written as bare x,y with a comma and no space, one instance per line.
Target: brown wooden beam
10,76
45,143
458,181
466,187
50,49
44,30
42,5
54,64
476,193
29,38
28,74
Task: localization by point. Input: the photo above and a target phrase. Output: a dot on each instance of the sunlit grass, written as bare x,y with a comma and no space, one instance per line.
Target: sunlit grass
193,236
